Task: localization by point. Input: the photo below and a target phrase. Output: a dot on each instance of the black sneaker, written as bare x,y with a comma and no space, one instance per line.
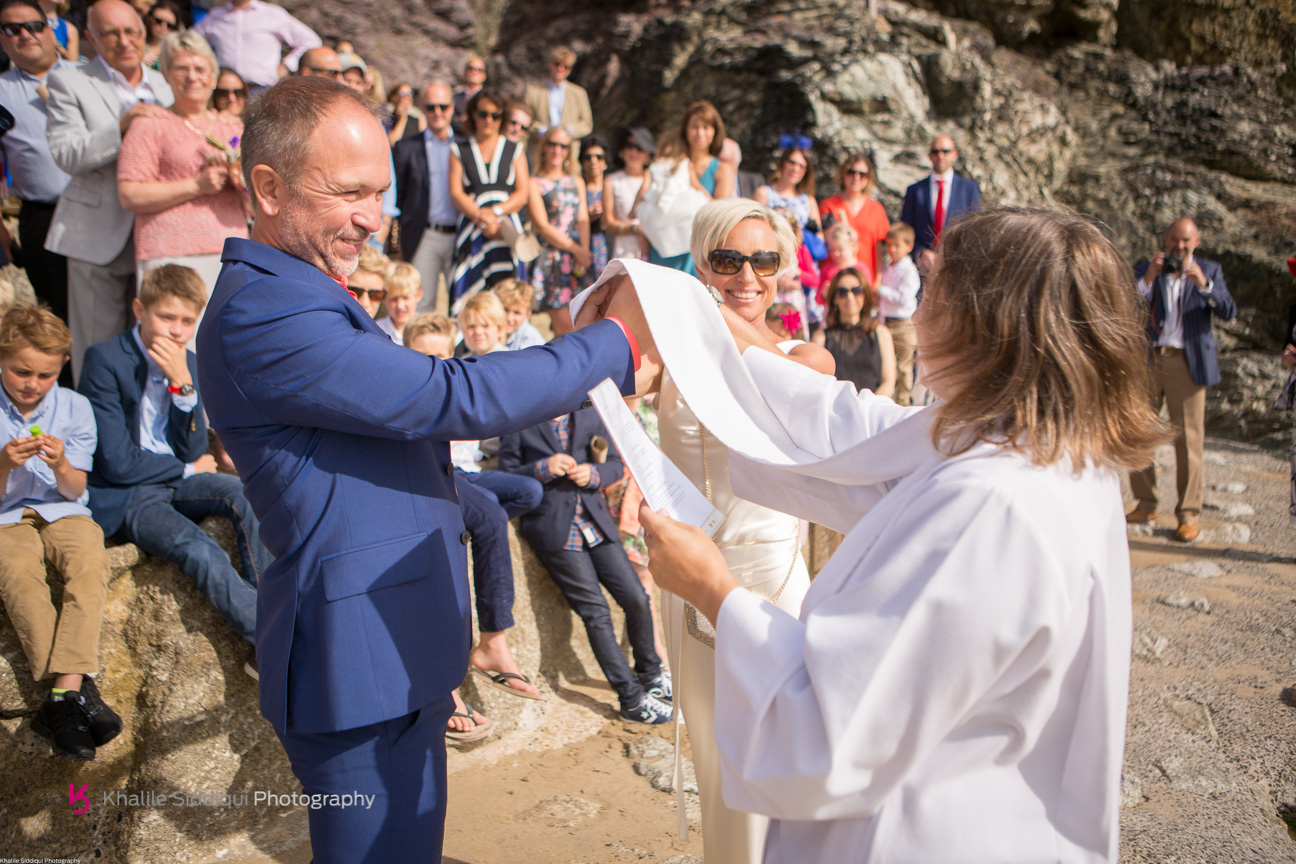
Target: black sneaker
64,723
650,710
104,722
658,685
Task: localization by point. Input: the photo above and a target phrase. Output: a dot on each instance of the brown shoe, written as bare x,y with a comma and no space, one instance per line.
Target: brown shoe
1186,532
1139,515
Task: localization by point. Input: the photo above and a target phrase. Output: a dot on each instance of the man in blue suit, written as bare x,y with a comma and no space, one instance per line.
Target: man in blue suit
935,201
342,439
1183,291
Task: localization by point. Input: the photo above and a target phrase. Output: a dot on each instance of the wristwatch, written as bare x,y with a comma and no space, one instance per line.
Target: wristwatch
497,210
182,390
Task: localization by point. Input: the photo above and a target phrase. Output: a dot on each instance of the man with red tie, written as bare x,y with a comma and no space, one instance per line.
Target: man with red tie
1183,293
937,200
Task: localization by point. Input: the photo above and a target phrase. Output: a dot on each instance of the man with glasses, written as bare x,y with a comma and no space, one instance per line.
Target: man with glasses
474,78
558,102
321,61
931,204
428,220
249,36
28,40
90,109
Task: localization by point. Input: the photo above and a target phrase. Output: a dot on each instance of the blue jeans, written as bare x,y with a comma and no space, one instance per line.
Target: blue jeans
401,763
578,575
489,499
515,493
163,521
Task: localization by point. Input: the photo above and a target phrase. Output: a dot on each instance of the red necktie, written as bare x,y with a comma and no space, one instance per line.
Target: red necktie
938,218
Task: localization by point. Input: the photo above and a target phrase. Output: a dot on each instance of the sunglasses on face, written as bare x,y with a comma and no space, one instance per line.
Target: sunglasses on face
433,106
225,93
162,22
728,262
481,69
863,175
517,124
939,151
335,74
490,115
560,64
376,295
590,157
558,145
844,291
35,28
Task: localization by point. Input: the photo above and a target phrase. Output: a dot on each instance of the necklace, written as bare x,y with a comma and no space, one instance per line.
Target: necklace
195,130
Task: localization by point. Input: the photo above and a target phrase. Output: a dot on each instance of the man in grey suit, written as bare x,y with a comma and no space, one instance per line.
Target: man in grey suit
90,109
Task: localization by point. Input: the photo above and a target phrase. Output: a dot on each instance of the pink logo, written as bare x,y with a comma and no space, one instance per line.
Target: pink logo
75,795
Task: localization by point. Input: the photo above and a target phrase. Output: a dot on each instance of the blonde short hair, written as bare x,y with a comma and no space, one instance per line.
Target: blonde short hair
429,323
514,292
563,54
484,304
403,280
29,325
714,222
188,42
1041,339
842,231
173,280
901,231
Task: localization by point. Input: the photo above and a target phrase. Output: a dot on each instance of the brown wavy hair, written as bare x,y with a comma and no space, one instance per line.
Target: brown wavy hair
1041,340
832,316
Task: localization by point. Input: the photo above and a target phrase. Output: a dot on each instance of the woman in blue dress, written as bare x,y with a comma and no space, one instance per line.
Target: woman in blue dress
489,184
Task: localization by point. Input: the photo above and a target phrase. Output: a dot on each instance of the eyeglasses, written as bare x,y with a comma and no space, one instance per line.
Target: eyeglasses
517,124
119,35
433,106
489,115
481,69
590,157
335,74
376,295
226,93
938,151
558,144
560,64
728,262
844,291
162,22
800,165
35,28
863,175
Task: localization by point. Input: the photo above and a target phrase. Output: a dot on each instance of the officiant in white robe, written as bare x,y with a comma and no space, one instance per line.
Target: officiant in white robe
955,686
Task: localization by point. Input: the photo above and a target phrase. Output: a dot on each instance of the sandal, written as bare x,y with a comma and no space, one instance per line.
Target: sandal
479,730
499,680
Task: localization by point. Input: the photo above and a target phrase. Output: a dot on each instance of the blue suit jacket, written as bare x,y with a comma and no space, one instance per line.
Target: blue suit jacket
965,195
547,526
1199,342
113,377
341,438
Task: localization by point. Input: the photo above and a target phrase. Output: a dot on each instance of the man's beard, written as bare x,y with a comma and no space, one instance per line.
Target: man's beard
299,239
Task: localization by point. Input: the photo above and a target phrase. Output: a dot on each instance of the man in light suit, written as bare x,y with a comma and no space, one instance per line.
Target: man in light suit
558,102
1183,291
90,109
342,440
428,220
937,200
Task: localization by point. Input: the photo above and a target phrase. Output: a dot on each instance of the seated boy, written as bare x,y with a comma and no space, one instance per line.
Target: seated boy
431,333
49,435
153,478
518,297
897,301
575,537
404,291
481,321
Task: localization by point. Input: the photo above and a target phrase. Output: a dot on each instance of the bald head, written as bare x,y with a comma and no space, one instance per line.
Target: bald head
943,154
322,61
1182,238
117,32
438,105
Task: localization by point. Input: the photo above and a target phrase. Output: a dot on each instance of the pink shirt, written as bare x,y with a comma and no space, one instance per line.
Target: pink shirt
248,40
159,149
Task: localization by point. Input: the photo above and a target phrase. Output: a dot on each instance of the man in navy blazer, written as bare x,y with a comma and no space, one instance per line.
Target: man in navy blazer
1182,298
428,220
342,440
153,479
935,201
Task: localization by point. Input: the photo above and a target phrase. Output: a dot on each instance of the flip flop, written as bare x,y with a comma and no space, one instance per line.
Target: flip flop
479,731
499,680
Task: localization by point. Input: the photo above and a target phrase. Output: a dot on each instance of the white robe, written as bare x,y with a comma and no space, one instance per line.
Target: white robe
955,687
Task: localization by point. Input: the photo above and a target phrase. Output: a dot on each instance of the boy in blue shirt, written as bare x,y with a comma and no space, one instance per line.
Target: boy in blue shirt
50,441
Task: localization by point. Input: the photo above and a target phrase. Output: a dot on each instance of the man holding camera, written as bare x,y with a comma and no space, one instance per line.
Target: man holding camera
1183,292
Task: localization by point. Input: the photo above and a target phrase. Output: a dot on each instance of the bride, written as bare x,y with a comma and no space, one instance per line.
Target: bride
954,687
739,248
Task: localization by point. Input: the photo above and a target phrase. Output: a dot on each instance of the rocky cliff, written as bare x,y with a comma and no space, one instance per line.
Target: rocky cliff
1133,111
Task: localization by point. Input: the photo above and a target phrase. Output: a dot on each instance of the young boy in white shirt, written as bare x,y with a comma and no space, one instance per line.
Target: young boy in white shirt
897,298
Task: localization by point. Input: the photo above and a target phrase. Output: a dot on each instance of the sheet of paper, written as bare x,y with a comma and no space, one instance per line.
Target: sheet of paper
663,484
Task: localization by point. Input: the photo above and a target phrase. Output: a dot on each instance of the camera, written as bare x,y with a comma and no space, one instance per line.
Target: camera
1172,264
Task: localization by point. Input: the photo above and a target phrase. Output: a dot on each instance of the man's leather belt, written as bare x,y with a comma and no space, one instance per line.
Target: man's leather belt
1166,349
445,229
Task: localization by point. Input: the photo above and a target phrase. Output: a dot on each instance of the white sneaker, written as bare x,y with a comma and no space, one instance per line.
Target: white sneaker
650,710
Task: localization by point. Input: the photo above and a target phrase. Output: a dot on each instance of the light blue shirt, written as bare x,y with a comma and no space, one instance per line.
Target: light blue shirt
155,406
66,415
389,207
27,153
441,209
557,95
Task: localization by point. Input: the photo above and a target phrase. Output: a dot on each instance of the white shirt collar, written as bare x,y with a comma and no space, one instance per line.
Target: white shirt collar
947,176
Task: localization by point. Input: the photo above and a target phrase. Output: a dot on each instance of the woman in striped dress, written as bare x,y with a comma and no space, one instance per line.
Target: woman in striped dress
488,184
